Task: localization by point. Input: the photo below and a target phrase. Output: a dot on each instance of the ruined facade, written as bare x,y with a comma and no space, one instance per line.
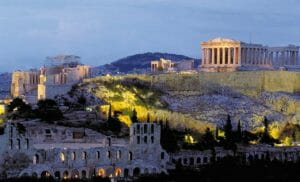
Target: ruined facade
165,65
222,54
64,153
56,77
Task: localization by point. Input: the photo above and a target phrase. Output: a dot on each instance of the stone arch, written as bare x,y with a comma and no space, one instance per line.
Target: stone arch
130,155
146,171
36,159
101,172
98,154
45,174
62,157
83,174
25,174
73,156
27,143
119,154
126,172
84,155
57,174
18,144
191,161
136,171
118,172
75,174
66,174
34,175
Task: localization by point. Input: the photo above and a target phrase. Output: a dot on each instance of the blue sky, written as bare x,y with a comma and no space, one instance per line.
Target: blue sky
101,31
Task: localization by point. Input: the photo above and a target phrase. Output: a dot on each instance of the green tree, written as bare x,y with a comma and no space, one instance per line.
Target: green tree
228,129
208,139
133,117
20,109
239,132
48,110
148,118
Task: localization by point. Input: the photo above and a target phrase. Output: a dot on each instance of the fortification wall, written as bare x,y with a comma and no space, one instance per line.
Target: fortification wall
248,82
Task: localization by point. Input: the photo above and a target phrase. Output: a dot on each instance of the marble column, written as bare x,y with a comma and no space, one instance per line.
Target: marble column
213,56
229,55
223,55
218,56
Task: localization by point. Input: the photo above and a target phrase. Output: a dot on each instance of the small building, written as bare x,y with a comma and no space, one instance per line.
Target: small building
164,65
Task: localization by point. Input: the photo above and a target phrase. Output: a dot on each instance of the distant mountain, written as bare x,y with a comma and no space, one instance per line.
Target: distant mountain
138,63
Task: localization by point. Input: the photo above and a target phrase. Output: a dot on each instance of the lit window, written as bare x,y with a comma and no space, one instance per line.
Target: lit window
62,157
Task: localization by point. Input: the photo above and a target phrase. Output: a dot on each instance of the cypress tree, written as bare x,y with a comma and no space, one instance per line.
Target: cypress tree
133,117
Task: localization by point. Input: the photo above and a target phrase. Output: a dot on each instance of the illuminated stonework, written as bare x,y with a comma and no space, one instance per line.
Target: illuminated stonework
65,152
164,65
229,55
56,77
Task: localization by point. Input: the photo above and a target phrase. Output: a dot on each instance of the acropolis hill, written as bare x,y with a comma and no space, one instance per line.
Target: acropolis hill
198,100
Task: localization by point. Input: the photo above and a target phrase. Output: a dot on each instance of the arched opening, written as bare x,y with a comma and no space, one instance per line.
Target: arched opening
73,156
34,175
126,172
83,174
27,143
108,154
75,174
57,175
10,144
152,128
98,155
145,139
45,174
152,139
191,161
130,156
136,171
118,172
25,174
66,175
18,144
109,141
36,159
119,153
84,156
146,171
145,128
154,170
62,157
198,160
101,172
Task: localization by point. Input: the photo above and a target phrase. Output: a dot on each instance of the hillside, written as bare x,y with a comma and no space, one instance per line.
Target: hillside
138,63
185,104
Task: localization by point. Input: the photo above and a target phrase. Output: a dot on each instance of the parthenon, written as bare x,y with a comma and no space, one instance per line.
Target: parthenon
222,54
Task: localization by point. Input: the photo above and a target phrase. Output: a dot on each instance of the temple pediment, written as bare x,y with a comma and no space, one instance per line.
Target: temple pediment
220,39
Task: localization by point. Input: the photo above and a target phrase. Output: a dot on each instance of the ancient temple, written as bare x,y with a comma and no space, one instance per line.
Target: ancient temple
222,54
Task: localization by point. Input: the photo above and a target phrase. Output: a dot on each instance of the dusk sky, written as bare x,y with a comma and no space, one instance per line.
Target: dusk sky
102,31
